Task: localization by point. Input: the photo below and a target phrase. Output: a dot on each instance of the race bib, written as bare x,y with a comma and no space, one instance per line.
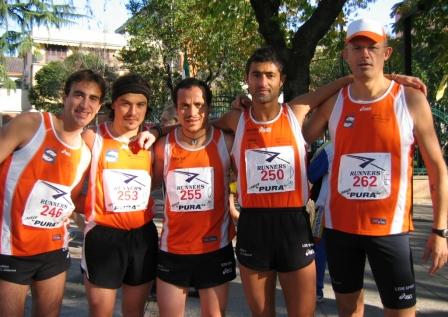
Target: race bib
191,189
365,176
48,205
126,190
270,170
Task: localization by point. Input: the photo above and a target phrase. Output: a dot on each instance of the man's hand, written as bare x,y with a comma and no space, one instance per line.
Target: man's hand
409,81
241,102
436,248
145,139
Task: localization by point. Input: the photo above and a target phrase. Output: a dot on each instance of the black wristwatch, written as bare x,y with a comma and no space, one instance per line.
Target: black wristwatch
441,232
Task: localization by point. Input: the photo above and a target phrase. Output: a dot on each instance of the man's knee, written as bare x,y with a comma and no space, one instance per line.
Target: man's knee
350,304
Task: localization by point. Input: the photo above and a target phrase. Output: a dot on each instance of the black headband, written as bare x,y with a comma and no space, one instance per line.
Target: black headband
135,88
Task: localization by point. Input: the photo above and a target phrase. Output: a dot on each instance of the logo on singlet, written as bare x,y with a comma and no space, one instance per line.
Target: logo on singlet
378,221
365,161
49,155
59,192
129,178
271,156
349,121
265,130
67,153
190,176
111,156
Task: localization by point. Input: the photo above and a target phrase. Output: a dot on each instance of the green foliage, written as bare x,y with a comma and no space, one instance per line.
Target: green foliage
26,14
429,40
46,94
215,37
22,16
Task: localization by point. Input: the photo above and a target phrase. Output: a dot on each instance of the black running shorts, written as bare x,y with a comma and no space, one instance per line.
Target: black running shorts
114,256
26,269
390,259
274,239
197,270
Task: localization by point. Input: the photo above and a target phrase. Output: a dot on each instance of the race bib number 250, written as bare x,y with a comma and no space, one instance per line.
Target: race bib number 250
270,170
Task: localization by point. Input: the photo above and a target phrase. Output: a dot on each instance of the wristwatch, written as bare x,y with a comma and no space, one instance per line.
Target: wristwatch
441,232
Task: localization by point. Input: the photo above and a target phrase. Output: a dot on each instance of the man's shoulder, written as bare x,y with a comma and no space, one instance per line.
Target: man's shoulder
414,98
411,92
28,121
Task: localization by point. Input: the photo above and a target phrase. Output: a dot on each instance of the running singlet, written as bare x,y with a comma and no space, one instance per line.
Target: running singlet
119,186
370,177
197,218
35,199
270,157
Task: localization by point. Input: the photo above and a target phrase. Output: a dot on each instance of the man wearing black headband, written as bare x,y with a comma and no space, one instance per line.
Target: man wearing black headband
120,244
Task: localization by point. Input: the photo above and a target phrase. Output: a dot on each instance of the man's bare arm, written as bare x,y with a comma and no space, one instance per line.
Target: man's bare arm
157,175
426,137
17,133
303,103
315,126
228,122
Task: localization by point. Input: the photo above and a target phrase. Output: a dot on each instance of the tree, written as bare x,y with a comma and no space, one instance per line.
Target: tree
218,36
428,21
18,18
294,29
214,37
47,93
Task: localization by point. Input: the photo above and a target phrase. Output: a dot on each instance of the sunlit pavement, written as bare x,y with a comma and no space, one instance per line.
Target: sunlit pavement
432,291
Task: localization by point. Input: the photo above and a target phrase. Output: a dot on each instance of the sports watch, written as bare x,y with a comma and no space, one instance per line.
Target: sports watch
441,232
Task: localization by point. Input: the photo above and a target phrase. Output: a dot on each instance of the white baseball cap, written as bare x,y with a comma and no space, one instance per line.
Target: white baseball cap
368,28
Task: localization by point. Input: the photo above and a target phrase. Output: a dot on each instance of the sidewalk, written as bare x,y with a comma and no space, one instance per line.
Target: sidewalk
432,291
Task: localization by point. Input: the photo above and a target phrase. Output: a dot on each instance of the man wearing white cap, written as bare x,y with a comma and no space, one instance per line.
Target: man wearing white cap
374,123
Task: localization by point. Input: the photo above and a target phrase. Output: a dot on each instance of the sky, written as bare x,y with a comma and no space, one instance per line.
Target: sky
111,14
380,10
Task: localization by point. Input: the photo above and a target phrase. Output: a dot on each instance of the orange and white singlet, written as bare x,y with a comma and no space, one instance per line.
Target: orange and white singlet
370,177
35,192
197,218
270,157
119,186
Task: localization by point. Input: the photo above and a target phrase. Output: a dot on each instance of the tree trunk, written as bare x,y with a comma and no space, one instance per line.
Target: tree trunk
304,42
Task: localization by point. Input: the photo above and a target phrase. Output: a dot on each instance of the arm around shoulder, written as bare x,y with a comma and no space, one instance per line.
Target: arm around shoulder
315,126
228,122
157,167
321,94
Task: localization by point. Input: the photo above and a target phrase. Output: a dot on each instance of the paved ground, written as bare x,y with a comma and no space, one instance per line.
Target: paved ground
432,290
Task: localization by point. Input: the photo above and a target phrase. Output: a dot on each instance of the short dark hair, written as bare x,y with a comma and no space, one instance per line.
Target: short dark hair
266,54
85,75
193,82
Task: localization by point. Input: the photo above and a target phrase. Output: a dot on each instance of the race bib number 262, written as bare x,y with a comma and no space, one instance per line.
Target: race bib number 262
365,176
